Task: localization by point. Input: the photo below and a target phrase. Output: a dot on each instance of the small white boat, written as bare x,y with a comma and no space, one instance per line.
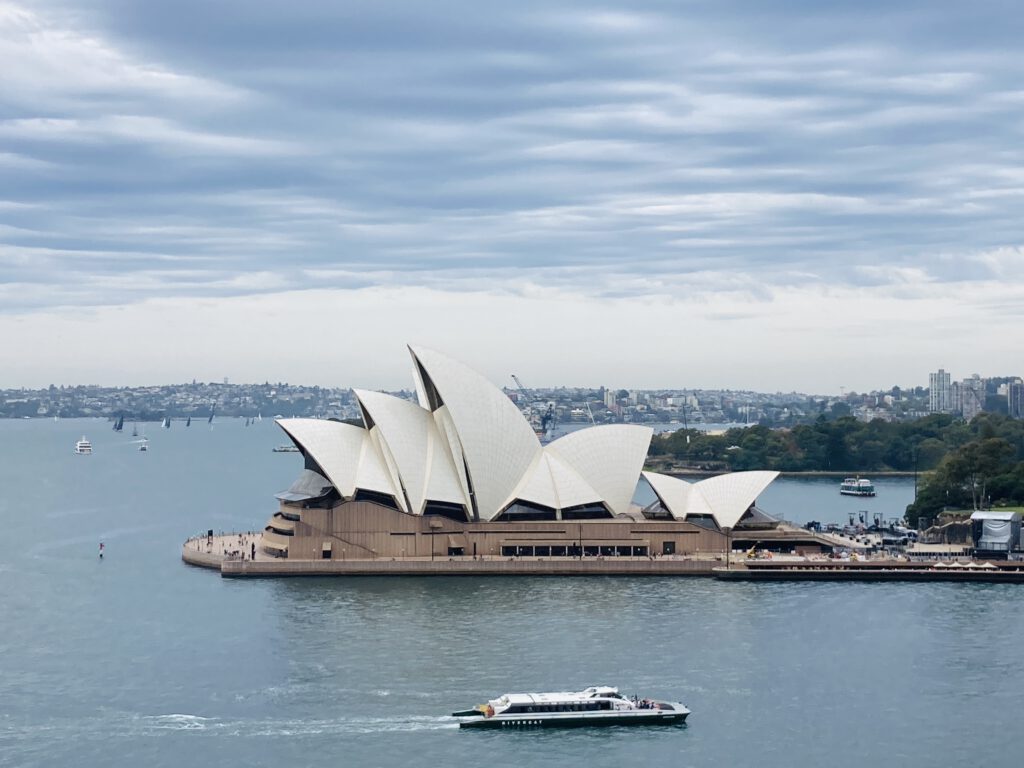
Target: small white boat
83,447
594,706
856,486
285,449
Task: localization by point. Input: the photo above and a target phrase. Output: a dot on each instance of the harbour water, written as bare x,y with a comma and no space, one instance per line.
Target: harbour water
139,659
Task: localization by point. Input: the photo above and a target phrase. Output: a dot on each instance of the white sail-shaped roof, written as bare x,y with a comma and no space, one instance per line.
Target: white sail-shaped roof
732,494
497,443
372,473
726,497
609,458
467,444
677,496
552,483
449,446
410,434
335,446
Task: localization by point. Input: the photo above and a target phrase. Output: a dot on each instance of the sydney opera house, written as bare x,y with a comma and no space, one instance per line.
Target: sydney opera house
462,475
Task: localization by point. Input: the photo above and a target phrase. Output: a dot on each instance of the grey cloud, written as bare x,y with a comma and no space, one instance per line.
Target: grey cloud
197,149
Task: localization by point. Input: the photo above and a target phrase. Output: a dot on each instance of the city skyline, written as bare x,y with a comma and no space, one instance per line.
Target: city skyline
814,199
936,401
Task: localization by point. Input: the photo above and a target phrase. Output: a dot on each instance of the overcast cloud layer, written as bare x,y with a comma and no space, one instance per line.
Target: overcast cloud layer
652,194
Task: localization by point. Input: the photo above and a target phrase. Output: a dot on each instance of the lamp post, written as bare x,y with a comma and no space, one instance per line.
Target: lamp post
728,546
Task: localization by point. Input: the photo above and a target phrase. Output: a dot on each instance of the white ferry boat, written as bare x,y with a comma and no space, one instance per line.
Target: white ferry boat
83,446
597,705
856,486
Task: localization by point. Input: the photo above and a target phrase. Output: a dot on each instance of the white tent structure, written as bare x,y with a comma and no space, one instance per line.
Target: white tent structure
996,531
465,451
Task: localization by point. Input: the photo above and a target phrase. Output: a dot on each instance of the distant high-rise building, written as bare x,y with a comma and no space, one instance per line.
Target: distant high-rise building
940,392
1015,399
971,397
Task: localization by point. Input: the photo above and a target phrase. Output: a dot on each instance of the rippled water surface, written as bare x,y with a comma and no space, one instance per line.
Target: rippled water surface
141,660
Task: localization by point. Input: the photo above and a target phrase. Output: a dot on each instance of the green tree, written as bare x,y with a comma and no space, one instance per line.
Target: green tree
975,463
967,477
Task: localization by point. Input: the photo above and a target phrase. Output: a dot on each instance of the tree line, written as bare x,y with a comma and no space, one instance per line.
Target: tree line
836,445
985,472
828,445
966,465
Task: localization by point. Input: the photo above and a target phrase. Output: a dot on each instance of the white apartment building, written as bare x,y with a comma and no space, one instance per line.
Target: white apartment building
940,392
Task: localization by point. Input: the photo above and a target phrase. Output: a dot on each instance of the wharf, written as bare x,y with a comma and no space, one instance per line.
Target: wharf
878,570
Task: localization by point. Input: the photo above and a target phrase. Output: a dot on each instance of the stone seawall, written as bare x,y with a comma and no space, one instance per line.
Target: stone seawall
231,554
201,559
468,567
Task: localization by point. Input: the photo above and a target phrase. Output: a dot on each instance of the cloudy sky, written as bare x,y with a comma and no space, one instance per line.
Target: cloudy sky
678,194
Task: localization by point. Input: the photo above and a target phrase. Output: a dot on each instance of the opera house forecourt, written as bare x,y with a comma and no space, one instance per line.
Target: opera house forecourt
459,482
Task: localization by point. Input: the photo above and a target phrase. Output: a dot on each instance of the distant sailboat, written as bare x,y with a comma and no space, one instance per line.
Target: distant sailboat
135,430
188,422
119,423
248,421
259,416
167,422
210,420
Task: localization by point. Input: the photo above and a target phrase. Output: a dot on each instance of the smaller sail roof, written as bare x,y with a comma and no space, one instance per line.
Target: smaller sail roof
725,497
608,458
552,483
730,495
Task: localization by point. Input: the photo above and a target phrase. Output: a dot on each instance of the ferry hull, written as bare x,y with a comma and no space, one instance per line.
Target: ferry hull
856,493
525,722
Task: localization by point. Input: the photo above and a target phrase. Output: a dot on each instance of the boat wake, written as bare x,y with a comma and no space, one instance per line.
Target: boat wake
116,724
179,722
364,725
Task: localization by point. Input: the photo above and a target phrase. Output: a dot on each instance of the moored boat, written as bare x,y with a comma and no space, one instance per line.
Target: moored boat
856,486
594,706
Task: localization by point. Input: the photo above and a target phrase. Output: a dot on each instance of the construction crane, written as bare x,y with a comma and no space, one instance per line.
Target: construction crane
522,389
546,419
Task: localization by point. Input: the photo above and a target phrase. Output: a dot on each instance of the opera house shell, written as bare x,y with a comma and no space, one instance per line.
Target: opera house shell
462,473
